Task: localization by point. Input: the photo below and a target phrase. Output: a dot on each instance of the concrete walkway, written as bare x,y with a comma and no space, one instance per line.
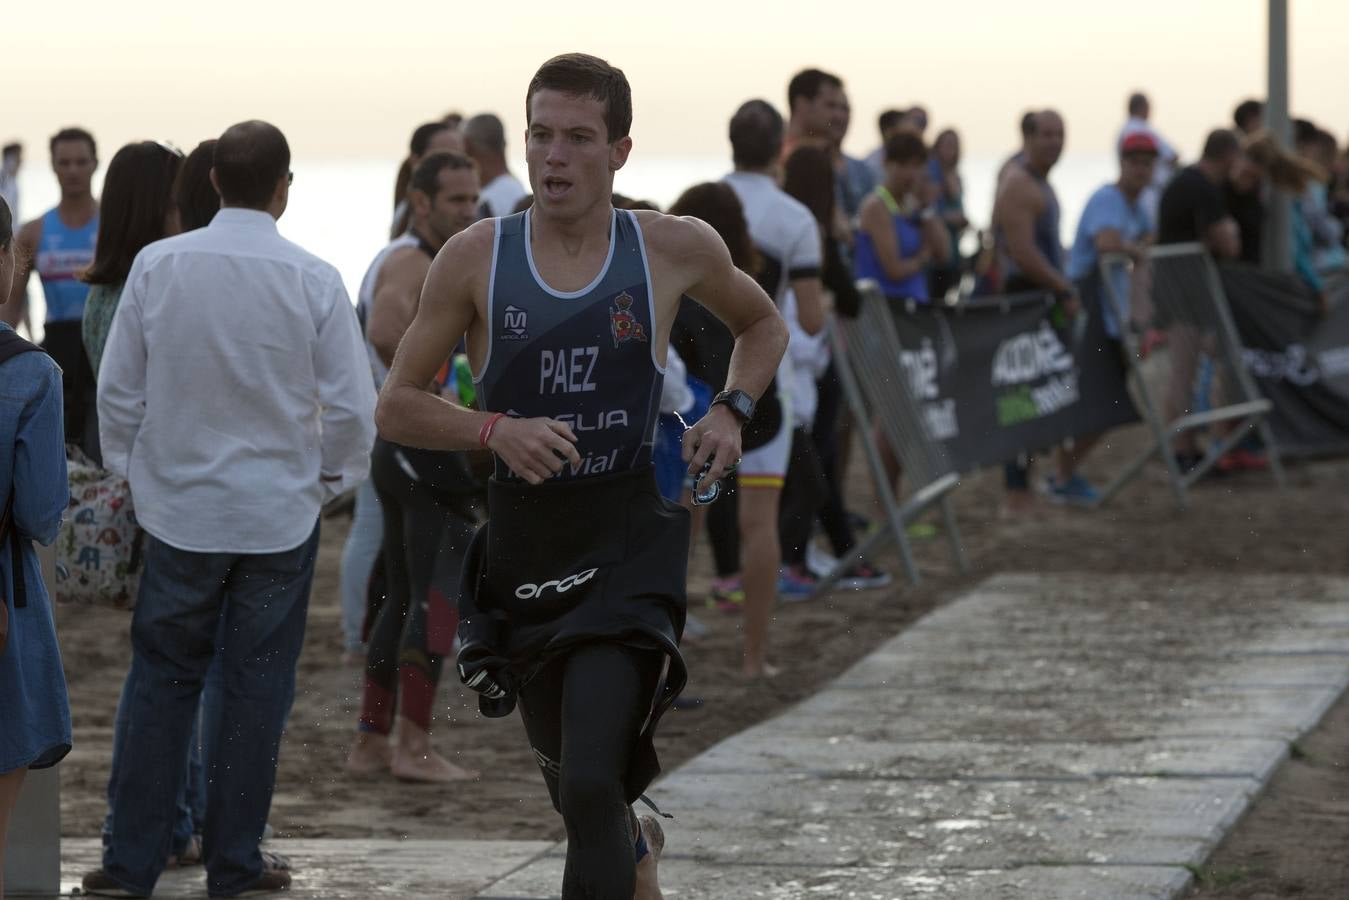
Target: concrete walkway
1040,738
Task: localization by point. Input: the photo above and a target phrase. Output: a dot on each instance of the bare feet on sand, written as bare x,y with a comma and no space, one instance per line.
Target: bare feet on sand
370,753
415,760
427,766
756,671
648,883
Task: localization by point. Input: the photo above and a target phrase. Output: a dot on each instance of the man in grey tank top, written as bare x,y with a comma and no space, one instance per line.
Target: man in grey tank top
573,597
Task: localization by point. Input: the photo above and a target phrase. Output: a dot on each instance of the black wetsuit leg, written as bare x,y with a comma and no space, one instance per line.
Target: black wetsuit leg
425,538
583,713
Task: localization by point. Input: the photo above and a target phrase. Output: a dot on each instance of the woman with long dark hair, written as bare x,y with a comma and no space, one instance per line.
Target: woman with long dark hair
814,480
137,209
705,345
193,193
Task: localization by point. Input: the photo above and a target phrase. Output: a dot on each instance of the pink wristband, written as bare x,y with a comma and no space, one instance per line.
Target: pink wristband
485,434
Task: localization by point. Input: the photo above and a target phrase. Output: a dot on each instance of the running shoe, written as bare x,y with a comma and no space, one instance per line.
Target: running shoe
1076,491
727,595
864,577
795,583
1242,460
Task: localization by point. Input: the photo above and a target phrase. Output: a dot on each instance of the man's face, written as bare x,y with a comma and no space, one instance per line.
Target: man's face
1136,171
74,165
820,116
839,127
570,158
455,206
1045,145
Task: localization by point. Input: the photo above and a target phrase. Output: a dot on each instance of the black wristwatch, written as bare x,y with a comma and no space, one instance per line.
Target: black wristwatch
738,402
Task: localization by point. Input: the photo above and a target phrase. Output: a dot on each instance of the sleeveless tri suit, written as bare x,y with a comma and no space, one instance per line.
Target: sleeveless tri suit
595,554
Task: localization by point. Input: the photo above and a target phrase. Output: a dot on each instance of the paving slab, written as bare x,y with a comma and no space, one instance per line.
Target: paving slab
1041,737
689,880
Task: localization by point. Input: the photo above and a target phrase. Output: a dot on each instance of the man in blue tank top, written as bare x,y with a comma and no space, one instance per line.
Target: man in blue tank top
573,597
60,245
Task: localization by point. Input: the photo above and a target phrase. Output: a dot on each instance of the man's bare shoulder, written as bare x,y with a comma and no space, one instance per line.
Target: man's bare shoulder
30,233
677,237
467,256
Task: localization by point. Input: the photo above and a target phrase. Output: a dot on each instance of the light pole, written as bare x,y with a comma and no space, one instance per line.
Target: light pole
1278,236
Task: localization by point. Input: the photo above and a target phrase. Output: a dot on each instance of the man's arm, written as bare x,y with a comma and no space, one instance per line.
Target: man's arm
803,273
1019,204
1223,238
346,394
26,241
759,331
121,378
1111,240
394,305
535,449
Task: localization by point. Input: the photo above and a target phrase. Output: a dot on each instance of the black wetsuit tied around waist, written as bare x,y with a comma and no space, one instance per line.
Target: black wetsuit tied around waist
567,563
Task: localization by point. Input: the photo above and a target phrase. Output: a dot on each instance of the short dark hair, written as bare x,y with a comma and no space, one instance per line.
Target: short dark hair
250,158
905,146
486,131
582,75
1246,111
889,119
137,198
426,177
13,147
1220,144
422,135
6,224
74,134
808,175
1138,101
1028,123
196,197
1304,131
806,85
756,134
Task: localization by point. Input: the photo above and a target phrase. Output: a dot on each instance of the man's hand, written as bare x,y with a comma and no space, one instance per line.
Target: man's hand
535,449
715,437
1070,303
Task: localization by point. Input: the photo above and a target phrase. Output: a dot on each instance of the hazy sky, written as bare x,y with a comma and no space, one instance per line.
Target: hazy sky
347,80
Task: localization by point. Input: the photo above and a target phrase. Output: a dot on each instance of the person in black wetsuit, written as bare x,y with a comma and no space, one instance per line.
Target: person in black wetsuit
573,599
427,504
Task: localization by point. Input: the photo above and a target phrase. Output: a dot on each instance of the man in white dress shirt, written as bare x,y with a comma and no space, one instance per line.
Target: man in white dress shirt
236,398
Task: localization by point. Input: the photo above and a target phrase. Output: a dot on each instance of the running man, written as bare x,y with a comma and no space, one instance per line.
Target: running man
415,510
60,245
574,598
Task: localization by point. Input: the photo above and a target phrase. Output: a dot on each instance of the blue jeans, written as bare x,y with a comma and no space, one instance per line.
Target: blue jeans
364,542
191,802
257,604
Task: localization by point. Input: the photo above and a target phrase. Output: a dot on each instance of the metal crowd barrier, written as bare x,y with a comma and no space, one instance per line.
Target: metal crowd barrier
876,386
1189,305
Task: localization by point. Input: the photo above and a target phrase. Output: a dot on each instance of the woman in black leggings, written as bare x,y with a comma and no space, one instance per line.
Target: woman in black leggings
428,498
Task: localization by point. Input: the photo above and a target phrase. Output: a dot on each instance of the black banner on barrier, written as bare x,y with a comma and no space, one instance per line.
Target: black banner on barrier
995,380
1300,361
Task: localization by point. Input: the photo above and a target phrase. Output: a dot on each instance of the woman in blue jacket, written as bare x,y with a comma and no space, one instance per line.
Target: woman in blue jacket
34,711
